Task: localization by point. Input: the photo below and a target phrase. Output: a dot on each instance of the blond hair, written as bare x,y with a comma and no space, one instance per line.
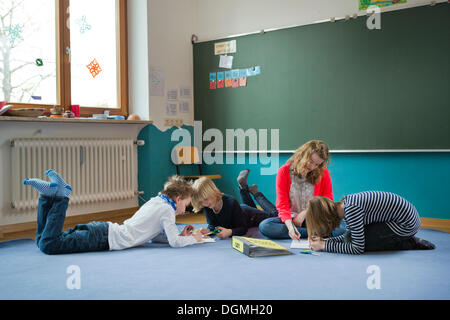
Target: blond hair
204,188
302,156
322,217
177,186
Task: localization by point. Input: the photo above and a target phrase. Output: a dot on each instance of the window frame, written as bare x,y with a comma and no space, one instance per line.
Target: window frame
63,64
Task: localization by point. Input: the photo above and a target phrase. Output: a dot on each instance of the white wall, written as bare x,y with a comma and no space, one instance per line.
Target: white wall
160,37
138,70
220,19
170,26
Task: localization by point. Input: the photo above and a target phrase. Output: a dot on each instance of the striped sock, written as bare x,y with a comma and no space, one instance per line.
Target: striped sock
43,187
63,189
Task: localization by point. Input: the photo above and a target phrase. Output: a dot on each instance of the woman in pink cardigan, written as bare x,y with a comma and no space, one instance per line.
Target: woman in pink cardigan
301,178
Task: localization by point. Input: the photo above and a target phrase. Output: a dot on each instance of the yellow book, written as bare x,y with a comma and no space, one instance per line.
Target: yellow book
258,247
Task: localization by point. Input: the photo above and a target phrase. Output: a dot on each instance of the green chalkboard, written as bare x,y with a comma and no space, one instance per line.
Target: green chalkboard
355,88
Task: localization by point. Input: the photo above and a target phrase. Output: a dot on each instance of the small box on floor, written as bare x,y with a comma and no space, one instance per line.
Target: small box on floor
258,247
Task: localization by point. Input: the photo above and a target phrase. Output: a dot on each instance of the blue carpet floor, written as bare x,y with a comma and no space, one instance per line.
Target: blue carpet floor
217,271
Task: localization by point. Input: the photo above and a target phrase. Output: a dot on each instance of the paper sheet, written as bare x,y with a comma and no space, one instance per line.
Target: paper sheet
208,239
300,244
156,81
226,62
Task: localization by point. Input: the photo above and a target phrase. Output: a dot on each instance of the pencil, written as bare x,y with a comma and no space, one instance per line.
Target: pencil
295,229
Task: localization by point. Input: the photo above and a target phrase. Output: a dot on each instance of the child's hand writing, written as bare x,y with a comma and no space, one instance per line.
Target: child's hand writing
293,232
204,231
198,236
224,233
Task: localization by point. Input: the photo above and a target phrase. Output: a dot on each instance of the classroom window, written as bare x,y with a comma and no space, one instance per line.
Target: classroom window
64,52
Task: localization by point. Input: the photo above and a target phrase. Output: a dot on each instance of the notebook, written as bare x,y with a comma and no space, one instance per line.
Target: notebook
300,244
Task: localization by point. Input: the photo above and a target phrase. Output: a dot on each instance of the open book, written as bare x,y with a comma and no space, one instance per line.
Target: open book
300,244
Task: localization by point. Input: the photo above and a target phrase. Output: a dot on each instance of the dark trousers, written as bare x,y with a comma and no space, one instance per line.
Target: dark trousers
253,215
50,238
379,237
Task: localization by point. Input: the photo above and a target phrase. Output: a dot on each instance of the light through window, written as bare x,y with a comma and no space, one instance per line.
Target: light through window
64,52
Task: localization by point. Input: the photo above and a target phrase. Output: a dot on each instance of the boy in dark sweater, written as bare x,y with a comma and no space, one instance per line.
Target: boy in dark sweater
224,211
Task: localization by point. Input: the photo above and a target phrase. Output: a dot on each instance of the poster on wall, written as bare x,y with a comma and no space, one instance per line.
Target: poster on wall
171,109
172,94
156,81
185,92
364,4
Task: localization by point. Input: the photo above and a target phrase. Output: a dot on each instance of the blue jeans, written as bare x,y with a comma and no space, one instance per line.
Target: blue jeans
275,229
50,238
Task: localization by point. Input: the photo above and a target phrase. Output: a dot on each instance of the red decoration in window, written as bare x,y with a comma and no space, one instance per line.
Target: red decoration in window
94,68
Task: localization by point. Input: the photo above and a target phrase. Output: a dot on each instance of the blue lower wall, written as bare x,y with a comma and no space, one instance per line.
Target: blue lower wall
421,178
154,160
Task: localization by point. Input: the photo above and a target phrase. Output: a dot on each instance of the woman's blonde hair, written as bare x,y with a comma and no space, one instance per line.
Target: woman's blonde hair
302,156
322,217
204,188
178,186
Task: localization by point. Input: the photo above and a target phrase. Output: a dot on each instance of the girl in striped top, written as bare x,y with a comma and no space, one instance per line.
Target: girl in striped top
375,220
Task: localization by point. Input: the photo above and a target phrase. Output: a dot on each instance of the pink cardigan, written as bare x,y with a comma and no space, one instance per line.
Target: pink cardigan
283,184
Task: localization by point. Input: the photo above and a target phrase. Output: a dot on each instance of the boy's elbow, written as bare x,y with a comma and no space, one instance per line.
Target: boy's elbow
175,243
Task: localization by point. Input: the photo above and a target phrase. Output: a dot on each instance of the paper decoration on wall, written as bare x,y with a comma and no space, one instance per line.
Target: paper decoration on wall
234,78
171,109
228,79
184,106
172,94
226,62
212,80
364,4
94,68
225,47
253,71
220,80
39,62
243,77
157,81
185,92
14,33
84,26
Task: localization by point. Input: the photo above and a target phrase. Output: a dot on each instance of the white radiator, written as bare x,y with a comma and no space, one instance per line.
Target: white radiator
96,169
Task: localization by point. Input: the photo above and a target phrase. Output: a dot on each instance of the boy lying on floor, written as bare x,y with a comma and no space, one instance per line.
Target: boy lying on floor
155,220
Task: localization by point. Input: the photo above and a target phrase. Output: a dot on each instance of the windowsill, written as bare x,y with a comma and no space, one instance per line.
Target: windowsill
74,120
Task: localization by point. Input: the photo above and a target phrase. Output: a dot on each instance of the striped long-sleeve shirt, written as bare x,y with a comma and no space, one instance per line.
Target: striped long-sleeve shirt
368,207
